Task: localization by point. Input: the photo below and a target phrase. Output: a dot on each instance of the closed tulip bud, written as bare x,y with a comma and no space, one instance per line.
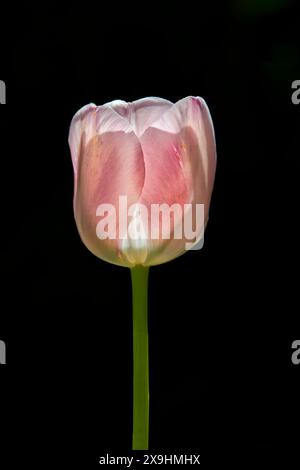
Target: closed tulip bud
143,154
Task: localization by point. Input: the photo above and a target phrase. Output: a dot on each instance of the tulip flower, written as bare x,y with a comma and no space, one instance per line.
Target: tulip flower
130,161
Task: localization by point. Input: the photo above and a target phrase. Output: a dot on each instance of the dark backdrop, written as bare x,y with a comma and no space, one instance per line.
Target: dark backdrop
221,320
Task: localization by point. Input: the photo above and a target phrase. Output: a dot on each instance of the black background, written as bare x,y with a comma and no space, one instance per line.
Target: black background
221,320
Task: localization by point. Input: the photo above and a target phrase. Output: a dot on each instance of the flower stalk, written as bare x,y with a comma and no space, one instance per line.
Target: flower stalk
140,434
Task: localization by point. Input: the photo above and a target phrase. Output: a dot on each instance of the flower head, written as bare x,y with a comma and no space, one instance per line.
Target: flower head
151,154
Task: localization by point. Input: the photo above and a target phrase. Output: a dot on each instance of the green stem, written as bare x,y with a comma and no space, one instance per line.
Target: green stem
140,434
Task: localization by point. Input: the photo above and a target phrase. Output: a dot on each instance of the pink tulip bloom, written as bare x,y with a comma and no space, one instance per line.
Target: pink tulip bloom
151,151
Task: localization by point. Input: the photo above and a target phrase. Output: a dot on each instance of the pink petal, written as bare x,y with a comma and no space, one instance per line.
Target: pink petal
111,164
190,119
110,120
180,166
140,114
165,182
195,116
83,121
146,111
